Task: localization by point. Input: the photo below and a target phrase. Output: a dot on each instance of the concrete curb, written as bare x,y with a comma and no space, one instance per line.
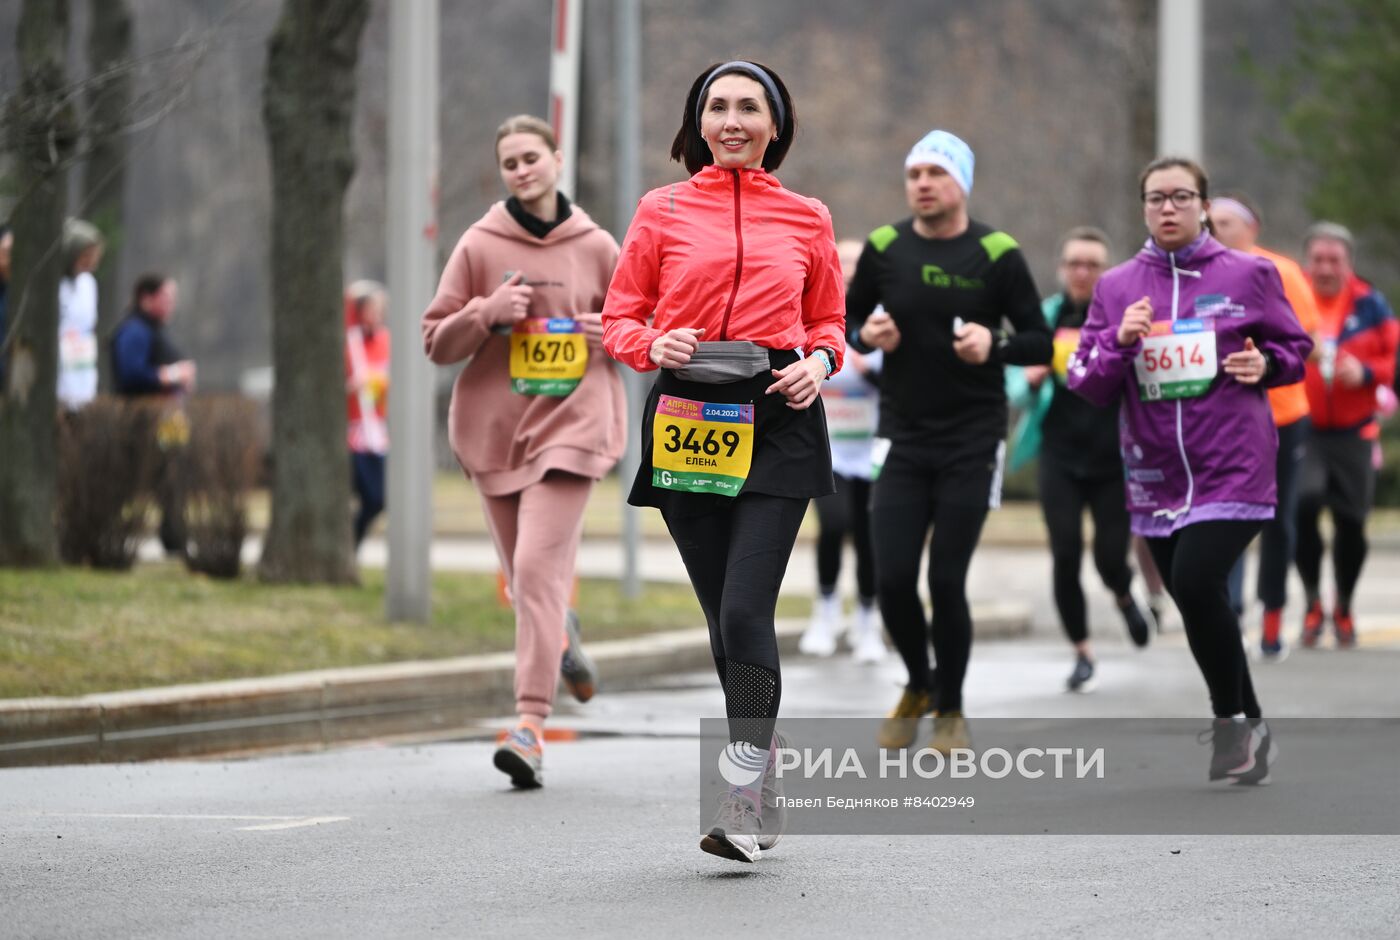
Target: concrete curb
330,706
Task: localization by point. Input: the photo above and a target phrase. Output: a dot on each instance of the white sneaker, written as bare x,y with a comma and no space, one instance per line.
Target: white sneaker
867,644
735,833
819,639
1163,612
774,817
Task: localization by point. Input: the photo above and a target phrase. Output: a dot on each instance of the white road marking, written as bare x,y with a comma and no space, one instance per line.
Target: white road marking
294,824
266,823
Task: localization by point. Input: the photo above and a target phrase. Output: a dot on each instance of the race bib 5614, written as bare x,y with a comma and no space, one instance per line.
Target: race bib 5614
701,447
1178,360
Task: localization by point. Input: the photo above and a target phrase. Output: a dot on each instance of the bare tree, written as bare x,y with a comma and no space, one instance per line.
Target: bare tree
308,103
104,178
1139,45
41,136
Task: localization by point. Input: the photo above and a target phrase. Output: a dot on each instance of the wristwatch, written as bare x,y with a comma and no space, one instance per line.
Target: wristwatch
828,358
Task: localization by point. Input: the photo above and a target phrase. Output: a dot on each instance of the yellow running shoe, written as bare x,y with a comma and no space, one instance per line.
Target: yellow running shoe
949,732
901,726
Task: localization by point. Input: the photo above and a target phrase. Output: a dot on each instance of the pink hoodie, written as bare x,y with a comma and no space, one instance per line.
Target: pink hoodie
506,441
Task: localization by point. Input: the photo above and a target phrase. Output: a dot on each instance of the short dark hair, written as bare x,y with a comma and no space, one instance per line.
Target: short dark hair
689,148
147,284
1085,233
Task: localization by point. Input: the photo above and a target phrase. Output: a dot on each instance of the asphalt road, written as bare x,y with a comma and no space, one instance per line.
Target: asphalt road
419,839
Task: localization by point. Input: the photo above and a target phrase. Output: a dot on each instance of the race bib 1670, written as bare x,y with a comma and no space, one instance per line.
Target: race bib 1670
548,356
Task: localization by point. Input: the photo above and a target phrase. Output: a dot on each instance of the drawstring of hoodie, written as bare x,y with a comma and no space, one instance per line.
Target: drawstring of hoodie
1174,514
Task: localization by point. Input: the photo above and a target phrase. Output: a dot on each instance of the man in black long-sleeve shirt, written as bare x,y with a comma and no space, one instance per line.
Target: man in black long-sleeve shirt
958,303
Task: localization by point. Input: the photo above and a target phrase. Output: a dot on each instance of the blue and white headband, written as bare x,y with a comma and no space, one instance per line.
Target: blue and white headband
752,71
941,148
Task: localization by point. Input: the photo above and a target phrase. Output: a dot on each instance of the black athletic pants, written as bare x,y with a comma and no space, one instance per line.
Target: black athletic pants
951,493
1279,540
1195,563
367,471
845,512
736,558
1337,474
1063,499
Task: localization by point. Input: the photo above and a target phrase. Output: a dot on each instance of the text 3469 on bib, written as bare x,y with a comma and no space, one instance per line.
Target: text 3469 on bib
701,447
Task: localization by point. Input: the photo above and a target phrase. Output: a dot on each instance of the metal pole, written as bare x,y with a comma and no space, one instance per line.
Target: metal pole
564,64
1180,63
412,249
629,190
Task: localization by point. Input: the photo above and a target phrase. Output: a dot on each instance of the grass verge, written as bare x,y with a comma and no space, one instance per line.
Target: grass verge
73,631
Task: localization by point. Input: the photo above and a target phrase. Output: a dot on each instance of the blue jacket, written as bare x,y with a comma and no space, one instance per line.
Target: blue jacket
139,349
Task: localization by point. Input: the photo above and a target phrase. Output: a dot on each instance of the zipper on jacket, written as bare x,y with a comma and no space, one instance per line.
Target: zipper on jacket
738,262
1180,435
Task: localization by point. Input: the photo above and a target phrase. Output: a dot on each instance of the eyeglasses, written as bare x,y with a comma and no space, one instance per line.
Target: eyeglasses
1082,264
1181,198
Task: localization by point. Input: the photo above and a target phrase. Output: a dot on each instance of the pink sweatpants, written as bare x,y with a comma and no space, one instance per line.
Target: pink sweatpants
536,532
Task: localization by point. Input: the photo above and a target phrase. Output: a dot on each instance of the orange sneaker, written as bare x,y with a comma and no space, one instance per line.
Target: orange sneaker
1312,625
1345,628
1271,642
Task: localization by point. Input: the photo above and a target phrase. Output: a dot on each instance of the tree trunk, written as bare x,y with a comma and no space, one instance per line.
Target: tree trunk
308,103
104,179
1141,61
40,128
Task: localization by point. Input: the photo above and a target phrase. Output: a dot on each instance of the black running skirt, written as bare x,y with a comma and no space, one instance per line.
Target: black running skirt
791,451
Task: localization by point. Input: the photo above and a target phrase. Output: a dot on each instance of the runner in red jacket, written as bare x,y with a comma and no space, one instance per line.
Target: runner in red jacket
730,284
1358,335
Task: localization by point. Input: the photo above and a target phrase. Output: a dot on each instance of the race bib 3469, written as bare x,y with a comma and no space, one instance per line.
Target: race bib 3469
701,447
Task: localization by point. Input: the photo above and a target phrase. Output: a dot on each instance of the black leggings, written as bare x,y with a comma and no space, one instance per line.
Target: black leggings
736,558
1195,563
1348,552
1337,475
954,499
847,511
1063,499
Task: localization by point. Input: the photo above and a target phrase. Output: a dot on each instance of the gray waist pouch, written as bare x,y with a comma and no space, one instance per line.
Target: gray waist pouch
724,361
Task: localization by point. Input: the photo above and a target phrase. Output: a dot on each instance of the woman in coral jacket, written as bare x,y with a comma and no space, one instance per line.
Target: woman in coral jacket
730,284
1189,334
538,413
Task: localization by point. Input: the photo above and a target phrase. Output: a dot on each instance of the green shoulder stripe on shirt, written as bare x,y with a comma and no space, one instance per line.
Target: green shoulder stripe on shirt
998,244
882,237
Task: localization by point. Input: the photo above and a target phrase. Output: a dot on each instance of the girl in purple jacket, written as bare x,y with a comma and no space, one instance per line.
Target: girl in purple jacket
1189,334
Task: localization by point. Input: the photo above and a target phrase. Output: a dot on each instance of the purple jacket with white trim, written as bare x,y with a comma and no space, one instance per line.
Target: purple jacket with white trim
1207,457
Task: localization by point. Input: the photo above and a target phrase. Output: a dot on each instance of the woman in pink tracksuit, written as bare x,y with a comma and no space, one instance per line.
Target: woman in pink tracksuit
1189,334
538,414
